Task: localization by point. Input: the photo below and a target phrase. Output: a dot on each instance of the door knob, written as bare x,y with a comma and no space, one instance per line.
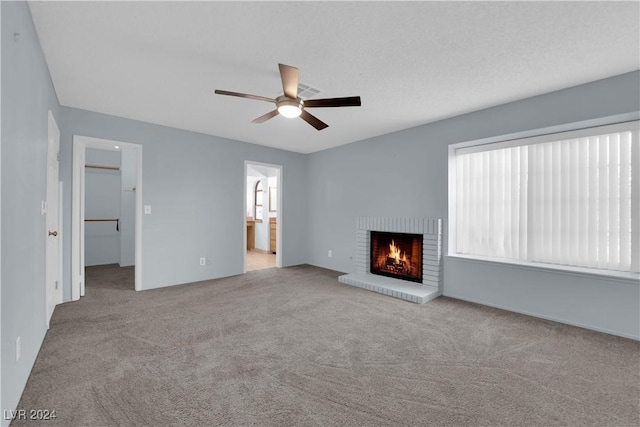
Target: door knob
53,233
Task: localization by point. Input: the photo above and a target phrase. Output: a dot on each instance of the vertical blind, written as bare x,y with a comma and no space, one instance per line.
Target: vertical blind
573,200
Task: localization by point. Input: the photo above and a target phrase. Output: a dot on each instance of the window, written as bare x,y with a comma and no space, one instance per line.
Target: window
258,201
570,198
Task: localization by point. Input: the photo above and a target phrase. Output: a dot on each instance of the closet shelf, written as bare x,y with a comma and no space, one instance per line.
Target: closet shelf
112,168
117,221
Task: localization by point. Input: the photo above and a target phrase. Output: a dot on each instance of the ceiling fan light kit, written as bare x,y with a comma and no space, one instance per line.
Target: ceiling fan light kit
290,105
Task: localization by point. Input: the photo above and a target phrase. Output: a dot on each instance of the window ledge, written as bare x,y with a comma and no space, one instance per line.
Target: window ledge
621,276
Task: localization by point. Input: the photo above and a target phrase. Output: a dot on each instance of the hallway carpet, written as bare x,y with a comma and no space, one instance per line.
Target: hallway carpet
293,347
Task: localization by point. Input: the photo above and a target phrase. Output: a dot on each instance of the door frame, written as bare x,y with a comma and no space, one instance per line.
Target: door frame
53,297
278,169
80,144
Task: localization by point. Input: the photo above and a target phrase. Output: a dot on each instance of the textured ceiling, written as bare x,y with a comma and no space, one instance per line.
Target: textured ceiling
411,62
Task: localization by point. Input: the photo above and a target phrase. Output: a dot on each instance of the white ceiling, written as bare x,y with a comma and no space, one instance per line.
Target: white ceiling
411,62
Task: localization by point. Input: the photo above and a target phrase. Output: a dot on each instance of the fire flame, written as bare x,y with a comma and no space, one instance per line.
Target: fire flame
401,261
394,252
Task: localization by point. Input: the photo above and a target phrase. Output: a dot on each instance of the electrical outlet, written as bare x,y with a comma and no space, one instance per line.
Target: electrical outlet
203,261
18,353
147,209
330,253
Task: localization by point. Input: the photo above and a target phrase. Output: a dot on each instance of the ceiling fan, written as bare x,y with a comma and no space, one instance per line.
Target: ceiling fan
290,105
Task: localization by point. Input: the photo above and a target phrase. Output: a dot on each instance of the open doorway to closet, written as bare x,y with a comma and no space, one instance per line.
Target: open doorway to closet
263,216
106,217
109,224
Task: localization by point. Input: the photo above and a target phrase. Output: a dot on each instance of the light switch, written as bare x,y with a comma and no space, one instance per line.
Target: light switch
147,209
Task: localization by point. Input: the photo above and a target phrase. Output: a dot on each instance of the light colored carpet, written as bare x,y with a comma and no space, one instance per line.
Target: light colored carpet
293,347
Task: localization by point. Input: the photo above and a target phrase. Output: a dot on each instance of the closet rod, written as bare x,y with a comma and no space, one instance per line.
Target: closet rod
112,168
106,220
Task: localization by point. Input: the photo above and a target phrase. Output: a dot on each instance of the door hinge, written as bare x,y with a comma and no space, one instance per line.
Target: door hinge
56,284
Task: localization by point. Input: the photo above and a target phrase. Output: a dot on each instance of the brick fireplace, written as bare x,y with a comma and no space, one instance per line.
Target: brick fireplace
398,240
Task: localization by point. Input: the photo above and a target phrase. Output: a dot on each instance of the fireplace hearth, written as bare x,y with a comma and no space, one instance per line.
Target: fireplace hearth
397,255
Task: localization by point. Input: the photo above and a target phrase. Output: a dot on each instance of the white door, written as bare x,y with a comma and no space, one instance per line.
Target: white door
53,272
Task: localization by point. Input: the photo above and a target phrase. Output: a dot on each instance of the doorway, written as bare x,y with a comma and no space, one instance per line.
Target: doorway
263,216
106,208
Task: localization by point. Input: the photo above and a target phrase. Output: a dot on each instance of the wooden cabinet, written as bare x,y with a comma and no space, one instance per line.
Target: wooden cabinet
251,233
273,223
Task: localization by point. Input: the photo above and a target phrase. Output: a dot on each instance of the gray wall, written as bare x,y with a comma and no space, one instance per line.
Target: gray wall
27,95
405,174
195,185
1,407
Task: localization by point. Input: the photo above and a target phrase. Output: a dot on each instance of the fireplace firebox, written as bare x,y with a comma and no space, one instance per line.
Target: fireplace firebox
397,255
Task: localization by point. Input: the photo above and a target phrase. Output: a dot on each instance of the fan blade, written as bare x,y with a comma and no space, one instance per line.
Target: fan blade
351,101
265,117
313,120
289,77
244,95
